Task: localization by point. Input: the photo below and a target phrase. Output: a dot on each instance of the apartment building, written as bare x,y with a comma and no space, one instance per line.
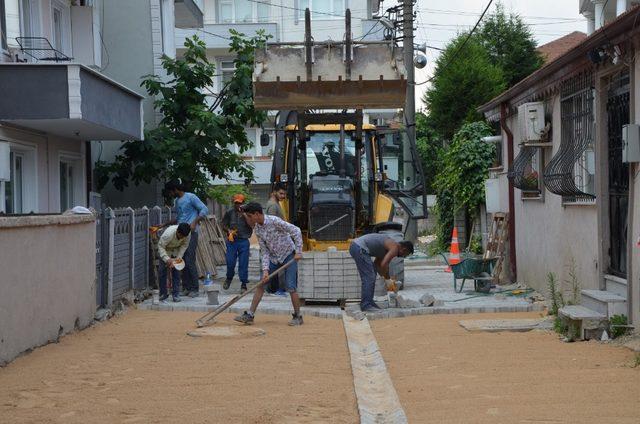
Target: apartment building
55,100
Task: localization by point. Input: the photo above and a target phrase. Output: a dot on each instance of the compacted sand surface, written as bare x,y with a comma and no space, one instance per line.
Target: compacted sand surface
444,374
143,368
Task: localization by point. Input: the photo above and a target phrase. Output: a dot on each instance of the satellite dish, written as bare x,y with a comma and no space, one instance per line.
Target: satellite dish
420,61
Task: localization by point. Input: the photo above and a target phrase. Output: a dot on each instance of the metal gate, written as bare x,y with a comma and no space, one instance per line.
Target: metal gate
617,116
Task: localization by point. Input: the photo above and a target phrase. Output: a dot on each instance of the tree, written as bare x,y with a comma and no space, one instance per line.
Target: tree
460,180
510,45
429,147
193,139
464,79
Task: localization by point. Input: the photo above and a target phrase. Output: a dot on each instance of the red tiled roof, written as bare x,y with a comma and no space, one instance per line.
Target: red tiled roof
556,48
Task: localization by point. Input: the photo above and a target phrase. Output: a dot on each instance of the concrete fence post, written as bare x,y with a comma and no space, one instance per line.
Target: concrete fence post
147,224
132,246
169,217
156,215
110,225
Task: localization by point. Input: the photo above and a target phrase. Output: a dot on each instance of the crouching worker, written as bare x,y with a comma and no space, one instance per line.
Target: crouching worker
280,243
171,246
383,248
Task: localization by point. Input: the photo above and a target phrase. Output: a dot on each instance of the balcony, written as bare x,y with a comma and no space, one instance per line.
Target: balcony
216,35
69,100
189,13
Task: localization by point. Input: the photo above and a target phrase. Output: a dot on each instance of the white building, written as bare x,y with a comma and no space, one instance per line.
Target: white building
55,99
284,21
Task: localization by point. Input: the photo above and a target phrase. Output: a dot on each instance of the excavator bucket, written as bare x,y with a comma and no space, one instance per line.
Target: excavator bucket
329,75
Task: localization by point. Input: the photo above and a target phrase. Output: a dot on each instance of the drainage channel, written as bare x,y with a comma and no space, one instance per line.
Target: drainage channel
378,402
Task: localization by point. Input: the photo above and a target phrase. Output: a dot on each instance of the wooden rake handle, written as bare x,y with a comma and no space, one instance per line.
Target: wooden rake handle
209,316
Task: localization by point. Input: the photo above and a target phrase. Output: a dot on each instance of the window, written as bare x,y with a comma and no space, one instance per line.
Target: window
570,172
243,11
67,184
19,194
226,70
29,18
14,188
61,26
3,26
57,29
322,9
71,181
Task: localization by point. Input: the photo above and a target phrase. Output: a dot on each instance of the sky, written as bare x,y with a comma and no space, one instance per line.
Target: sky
438,21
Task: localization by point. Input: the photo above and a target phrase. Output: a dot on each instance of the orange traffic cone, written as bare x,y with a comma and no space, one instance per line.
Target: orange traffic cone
454,251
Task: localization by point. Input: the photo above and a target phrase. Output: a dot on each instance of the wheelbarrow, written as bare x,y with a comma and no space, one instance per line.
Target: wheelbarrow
478,269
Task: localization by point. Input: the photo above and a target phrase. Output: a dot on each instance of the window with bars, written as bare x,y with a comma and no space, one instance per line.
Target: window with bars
526,172
571,171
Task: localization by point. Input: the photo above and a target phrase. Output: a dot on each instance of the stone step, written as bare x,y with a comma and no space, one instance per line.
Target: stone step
604,302
583,323
579,312
616,285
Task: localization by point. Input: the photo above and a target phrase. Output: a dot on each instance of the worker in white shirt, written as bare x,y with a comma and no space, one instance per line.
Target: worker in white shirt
171,246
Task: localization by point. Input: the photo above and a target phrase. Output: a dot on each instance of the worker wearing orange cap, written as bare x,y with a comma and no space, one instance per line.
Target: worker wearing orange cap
238,234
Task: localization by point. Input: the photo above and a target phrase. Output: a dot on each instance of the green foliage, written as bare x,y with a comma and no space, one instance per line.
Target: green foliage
573,283
617,325
555,294
193,140
429,147
559,326
510,45
459,183
223,193
475,244
463,80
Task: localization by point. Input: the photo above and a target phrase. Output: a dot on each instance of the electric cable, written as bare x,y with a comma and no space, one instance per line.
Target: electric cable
459,49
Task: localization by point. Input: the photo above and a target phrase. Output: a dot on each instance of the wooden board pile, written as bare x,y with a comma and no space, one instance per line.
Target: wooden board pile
211,246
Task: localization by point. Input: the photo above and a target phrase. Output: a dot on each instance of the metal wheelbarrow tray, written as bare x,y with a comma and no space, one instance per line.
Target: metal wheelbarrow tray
478,269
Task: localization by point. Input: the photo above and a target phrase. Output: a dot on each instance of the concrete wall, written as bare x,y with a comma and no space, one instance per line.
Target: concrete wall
550,235
47,281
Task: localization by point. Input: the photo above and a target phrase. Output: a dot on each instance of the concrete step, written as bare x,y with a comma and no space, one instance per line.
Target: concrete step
583,323
604,302
616,285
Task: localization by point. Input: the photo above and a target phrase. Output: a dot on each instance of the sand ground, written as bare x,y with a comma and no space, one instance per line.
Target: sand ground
444,374
143,368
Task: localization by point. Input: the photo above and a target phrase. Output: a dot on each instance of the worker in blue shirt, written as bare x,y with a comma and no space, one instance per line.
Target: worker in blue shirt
190,209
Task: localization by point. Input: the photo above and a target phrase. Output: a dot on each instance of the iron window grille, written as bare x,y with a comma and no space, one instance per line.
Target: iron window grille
570,172
524,172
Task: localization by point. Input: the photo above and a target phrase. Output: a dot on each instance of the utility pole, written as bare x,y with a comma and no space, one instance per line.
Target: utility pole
410,106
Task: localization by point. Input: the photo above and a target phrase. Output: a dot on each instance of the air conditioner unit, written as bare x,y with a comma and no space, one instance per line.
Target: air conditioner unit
531,121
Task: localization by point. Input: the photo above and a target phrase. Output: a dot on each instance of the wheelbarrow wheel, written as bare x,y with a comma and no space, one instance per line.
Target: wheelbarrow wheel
483,282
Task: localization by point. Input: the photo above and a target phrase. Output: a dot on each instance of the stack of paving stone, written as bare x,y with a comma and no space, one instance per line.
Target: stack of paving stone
330,276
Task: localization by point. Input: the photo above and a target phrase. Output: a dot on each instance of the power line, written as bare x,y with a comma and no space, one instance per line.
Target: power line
466,13
459,49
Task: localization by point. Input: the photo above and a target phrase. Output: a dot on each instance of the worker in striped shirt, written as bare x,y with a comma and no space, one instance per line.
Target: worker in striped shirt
280,243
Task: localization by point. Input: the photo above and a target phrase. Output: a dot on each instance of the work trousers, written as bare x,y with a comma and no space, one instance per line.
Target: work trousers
238,252
162,280
367,273
190,271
